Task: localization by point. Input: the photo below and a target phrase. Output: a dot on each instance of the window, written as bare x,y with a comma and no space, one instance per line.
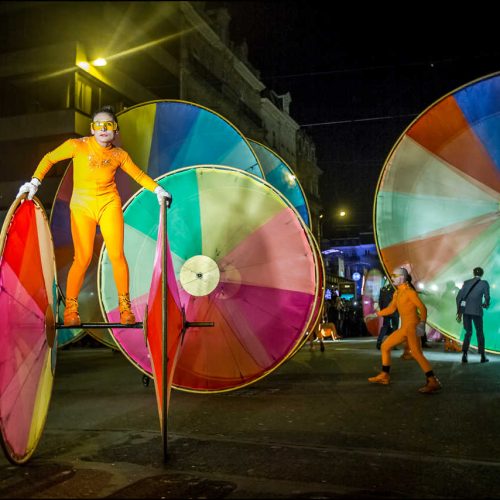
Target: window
86,95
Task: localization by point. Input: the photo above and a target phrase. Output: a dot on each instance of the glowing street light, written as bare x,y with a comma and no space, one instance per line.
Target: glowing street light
100,61
320,226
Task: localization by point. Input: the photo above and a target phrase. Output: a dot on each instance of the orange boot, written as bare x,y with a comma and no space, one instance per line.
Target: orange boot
126,315
433,385
382,378
71,316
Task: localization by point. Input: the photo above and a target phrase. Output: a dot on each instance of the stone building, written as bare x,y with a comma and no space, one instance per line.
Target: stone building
51,81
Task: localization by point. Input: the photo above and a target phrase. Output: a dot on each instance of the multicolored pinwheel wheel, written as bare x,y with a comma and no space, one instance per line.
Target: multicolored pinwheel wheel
437,202
160,136
243,259
28,303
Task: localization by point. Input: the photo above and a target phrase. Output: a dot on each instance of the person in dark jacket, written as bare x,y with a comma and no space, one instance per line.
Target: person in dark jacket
473,297
390,322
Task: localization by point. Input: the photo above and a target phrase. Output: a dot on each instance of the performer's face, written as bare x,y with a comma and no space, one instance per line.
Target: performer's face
103,128
397,277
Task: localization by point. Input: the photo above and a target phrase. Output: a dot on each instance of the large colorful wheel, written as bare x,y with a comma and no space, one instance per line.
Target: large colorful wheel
437,203
282,177
244,260
28,303
160,136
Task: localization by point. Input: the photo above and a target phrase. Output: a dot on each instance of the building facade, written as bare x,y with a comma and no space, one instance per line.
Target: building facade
50,80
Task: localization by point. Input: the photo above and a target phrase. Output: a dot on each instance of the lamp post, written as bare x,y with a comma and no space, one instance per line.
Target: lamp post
321,219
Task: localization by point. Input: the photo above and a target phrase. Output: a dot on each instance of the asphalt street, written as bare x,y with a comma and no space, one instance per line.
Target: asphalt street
313,428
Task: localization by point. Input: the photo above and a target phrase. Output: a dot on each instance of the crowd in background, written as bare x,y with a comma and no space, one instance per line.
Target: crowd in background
346,315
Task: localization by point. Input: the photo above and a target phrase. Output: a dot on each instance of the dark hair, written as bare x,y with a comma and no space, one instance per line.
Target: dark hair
478,271
409,280
406,274
106,109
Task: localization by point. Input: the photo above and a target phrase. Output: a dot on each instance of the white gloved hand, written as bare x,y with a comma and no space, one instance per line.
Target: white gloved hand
421,329
161,193
29,187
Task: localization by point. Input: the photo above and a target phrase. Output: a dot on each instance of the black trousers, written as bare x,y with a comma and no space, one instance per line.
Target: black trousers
478,325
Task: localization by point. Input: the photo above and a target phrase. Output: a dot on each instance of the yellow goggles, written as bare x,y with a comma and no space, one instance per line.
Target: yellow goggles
104,126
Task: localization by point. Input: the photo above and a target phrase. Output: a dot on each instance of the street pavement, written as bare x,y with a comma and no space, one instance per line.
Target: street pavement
313,428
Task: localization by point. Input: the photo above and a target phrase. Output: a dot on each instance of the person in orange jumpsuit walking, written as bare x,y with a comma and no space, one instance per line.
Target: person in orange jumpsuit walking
407,302
96,201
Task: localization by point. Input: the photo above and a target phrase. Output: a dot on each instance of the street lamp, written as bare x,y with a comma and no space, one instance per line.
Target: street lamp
100,61
321,219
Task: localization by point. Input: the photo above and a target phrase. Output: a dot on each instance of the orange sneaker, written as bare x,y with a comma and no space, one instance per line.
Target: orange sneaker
126,315
382,378
71,316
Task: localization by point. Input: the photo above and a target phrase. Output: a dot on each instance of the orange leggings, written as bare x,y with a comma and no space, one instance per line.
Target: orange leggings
86,214
406,332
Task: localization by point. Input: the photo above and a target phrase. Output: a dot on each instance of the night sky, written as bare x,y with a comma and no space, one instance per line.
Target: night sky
358,77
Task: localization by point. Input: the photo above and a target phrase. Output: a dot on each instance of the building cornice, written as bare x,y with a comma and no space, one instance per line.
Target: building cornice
213,38
270,108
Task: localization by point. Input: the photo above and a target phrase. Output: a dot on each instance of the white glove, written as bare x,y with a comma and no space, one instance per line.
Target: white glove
421,329
161,193
29,187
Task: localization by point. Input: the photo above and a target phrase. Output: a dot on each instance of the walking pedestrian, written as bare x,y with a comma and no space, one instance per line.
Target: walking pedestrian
473,297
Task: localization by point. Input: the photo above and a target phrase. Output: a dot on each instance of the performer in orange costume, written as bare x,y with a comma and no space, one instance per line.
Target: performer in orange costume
406,301
96,201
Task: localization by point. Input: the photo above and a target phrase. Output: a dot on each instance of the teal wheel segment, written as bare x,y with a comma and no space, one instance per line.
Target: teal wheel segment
280,175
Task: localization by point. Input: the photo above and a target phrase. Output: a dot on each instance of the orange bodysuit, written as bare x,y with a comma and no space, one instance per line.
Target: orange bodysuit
95,200
406,301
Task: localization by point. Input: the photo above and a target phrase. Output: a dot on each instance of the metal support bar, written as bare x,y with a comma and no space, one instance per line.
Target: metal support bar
164,329
61,326
189,324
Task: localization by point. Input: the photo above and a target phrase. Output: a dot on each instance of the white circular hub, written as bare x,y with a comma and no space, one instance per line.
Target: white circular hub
199,275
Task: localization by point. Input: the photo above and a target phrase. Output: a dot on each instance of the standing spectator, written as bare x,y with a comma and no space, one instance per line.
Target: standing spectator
333,315
341,313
